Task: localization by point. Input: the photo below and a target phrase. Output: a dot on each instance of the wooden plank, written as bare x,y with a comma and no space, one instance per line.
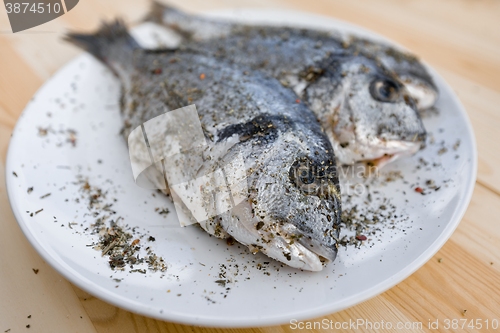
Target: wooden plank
18,83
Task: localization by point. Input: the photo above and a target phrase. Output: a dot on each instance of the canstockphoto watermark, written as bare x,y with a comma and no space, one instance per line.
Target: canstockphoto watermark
354,324
26,14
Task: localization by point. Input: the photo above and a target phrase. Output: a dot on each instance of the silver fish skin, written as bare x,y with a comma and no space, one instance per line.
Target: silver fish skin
406,66
364,108
292,208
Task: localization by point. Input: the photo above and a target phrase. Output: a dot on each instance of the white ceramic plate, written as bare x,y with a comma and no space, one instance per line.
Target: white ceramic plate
83,96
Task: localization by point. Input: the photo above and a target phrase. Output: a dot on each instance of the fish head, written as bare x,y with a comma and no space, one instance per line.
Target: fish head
367,112
406,66
294,199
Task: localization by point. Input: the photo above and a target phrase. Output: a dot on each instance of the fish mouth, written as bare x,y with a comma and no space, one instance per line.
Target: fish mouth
324,253
277,239
394,150
377,152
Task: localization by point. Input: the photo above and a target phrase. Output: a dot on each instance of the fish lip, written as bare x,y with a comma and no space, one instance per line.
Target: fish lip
391,154
382,152
328,254
325,253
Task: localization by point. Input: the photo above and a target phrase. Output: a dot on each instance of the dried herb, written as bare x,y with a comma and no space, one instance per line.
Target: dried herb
121,244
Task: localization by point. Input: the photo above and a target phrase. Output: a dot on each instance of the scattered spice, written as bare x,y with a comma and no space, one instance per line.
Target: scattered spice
230,241
221,283
71,137
162,211
115,241
42,131
202,76
361,237
39,211
30,189
442,151
157,71
15,175
69,133
297,101
419,190
35,270
440,260
45,195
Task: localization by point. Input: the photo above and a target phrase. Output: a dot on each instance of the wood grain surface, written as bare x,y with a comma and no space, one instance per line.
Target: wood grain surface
459,38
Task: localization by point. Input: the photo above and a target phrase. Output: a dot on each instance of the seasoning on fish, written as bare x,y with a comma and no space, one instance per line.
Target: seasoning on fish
291,211
407,67
365,110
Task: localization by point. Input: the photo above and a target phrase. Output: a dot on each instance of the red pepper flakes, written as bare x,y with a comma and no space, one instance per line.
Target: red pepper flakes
202,76
157,71
419,190
297,101
361,237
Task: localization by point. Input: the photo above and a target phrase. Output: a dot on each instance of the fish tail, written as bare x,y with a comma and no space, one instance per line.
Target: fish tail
110,36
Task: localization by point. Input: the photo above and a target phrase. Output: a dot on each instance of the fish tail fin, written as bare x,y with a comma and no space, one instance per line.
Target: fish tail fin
112,35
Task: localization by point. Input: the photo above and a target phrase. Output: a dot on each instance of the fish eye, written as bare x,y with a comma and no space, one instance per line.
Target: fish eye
303,176
384,90
306,175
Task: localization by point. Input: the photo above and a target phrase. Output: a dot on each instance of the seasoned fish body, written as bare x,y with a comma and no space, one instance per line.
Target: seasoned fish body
291,211
366,111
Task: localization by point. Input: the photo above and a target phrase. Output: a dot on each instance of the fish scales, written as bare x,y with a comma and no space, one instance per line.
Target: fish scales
404,64
365,109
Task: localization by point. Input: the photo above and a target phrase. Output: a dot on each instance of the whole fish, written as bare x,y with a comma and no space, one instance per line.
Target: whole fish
291,210
365,110
405,65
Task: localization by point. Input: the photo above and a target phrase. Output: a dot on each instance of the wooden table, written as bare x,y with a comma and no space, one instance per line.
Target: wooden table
459,38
